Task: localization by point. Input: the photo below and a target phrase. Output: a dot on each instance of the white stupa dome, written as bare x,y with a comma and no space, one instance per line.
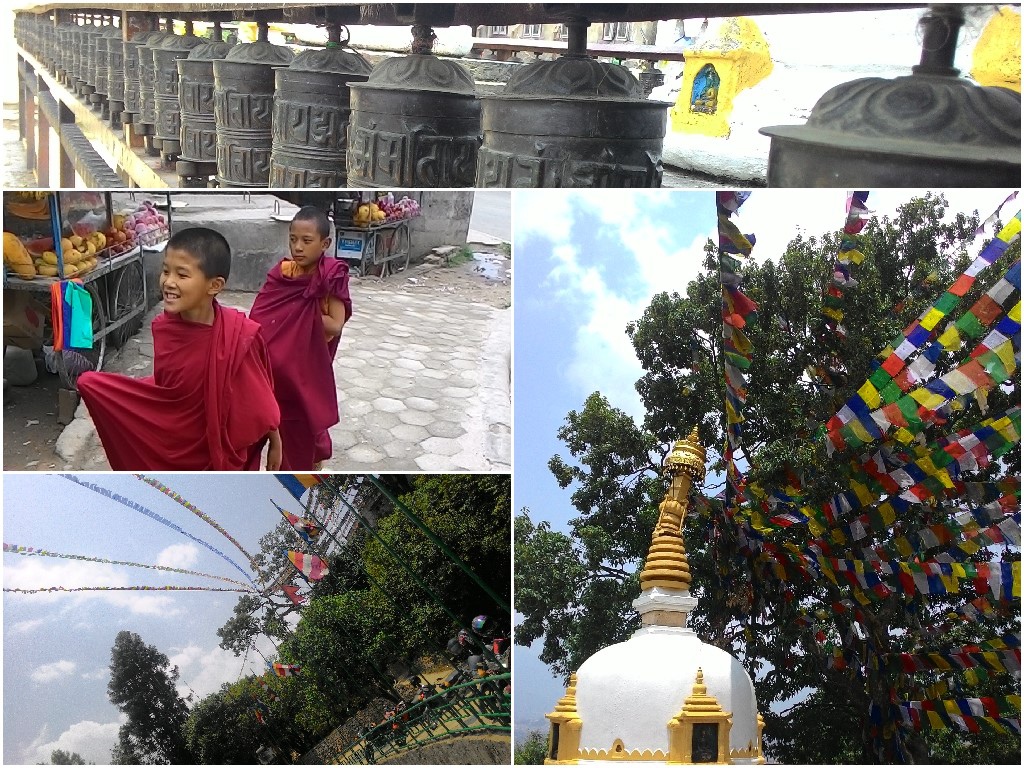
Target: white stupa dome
663,695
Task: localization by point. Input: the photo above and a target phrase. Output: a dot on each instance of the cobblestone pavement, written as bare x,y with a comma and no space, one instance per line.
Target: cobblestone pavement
423,383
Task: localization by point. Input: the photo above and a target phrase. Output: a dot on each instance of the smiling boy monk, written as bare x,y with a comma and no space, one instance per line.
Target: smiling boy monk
210,401
302,308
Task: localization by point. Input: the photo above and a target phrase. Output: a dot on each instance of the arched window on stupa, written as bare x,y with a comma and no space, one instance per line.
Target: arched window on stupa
704,96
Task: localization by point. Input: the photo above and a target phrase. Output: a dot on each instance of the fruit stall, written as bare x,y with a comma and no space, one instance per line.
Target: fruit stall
73,272
372,233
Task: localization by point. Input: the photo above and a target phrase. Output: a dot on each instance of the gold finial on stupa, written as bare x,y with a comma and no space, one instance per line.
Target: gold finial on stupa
699,701
566,726
666,564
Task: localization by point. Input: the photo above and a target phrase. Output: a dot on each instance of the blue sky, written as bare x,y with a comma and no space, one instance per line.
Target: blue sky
56,647
588,262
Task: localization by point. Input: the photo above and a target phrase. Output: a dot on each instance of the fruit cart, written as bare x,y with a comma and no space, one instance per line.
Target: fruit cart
377,238
84,237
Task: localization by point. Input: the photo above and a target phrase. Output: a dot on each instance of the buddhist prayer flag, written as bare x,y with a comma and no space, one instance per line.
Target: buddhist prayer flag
297,485
292,592
307,530
310,565
286,670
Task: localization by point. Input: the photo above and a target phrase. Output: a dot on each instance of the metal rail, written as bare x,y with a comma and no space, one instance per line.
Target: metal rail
476,707
451,14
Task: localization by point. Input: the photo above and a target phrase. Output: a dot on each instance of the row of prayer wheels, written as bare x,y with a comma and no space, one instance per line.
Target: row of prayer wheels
257,115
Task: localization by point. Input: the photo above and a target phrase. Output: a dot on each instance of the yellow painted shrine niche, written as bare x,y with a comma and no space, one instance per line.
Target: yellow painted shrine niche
716,70
996,59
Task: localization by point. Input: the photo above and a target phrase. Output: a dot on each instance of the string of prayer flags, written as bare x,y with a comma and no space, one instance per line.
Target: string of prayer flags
311,566
967,713
891,379
152,481
737,351
849,253
20,550
297,485
1007,660
292,593
306,529
123,589
286,670
266,689
154,516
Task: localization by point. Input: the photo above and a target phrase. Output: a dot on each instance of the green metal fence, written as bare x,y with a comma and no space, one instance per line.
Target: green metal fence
479,706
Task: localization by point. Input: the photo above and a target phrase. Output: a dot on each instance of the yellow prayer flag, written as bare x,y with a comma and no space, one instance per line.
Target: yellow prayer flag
931,319
888,513
1015,569
855,256
835,314
943,477
950,339
858,429
869,395
903,546
1007,233
863,494
934,720
1015,312
904,436
928,399
1005,353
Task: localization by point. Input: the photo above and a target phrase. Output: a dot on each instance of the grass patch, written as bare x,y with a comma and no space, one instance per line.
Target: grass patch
461,256
506,250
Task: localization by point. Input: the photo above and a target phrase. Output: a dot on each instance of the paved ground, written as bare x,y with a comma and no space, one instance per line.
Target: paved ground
423,377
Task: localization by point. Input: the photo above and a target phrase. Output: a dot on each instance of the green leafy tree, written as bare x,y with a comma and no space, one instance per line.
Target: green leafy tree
63,757
532,750
142,687
574,589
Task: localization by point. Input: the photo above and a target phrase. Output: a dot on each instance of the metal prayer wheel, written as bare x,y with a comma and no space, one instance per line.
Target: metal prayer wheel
243,103
415,123
76,43
88,65
311,114
168,110
109,37
147,80
198,157
115,79
931,128
133,76
572,122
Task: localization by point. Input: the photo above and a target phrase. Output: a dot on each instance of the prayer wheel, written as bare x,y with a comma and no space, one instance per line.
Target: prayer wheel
244,109
931,128
115,78
146,123
62,54
133,76
197,160
75,43
415,123
87,68
168,109
311,114
109,37
572,122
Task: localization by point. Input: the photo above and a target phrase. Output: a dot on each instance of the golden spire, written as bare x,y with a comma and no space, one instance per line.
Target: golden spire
699,701
666,564
566,706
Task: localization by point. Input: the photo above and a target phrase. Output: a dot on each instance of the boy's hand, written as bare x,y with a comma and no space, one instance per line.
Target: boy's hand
275,452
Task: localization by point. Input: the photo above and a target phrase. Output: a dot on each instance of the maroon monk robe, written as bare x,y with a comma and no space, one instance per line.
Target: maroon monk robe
208,405
289,310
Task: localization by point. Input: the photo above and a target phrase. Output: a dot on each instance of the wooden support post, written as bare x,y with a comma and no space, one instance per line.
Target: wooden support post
67,165
43,142
31,108
23,96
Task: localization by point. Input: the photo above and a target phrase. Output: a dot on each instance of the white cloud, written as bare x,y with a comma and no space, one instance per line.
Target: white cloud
47,673
92,740
179,556
97,674
25,626
34,573
204,670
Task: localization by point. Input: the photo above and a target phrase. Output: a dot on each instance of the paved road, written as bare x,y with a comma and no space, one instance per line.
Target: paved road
423,382
492,214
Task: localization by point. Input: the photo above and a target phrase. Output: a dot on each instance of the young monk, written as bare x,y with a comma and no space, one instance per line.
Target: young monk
302,308
210,401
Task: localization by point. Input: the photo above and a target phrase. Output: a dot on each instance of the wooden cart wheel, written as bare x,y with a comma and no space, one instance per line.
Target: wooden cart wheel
72,362
129,295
